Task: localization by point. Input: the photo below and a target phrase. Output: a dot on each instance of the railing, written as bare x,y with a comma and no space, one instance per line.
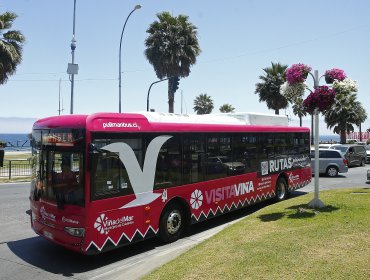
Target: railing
15,168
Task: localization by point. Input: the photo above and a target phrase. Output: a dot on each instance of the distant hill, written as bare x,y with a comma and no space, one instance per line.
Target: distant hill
16,125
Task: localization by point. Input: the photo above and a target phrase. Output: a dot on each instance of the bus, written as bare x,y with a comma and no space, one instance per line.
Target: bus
106,180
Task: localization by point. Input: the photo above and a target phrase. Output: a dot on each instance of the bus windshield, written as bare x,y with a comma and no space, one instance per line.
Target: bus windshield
58,174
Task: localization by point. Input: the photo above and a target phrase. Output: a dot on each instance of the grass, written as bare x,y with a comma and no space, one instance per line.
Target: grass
286,240
17,156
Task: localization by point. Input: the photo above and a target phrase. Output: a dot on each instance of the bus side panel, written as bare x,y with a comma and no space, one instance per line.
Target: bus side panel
213,198
299,178
111,224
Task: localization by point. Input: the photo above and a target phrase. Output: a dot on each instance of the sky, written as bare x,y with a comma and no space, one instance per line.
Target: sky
237,40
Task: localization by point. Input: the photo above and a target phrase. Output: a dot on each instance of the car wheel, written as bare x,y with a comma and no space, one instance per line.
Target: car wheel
171,223
281,189
332,171
363,162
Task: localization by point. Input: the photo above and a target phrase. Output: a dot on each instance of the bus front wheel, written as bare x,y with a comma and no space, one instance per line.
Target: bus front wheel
171,223
281,189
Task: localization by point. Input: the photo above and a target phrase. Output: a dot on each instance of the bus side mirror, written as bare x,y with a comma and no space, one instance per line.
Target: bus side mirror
2,153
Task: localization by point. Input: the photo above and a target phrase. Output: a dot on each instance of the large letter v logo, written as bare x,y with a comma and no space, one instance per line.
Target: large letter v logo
142,181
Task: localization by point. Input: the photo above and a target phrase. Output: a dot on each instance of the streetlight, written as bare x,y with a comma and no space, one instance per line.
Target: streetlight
72,67
120,47
316,202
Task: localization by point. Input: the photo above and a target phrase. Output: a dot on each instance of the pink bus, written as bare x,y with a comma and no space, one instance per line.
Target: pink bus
105,180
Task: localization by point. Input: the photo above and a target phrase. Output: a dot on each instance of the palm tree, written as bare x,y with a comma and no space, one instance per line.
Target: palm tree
11,43
343,114
361,117
227,108
269,88
172,47
203,104
299,110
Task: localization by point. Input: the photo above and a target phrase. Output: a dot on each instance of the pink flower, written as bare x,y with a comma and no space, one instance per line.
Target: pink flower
297,73
322,98
336,74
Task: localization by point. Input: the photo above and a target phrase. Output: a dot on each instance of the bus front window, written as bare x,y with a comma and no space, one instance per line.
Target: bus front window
60,177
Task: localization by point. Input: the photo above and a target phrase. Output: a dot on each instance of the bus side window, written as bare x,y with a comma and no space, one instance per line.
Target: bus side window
245,151
109,177
169,165
193,158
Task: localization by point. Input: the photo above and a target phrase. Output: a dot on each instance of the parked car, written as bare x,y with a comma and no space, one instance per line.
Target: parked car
368,153
368,175
354,153
331,162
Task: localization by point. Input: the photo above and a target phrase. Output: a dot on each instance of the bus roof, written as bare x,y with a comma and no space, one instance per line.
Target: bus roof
155,121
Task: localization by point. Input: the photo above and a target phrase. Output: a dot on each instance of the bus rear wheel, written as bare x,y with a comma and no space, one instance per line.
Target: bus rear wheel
172,222
281,189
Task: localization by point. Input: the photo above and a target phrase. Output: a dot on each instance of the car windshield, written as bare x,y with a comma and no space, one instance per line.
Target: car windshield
367,148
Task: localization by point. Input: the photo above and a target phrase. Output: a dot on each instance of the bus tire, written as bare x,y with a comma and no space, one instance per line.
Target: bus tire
171,224
281,189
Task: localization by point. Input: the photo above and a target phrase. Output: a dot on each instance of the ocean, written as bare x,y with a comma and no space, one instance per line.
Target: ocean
16,141
329,138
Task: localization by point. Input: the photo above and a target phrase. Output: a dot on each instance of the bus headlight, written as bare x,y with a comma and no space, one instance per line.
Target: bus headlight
77,232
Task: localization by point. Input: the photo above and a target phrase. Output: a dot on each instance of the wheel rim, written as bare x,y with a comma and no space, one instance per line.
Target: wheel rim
281,190
174,222
332,172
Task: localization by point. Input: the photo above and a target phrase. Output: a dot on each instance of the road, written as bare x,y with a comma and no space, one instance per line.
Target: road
24,255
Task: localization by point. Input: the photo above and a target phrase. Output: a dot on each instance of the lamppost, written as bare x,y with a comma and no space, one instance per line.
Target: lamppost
120,47
72,67
316,202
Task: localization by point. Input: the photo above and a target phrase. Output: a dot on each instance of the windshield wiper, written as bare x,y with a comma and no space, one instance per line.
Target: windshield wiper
59,199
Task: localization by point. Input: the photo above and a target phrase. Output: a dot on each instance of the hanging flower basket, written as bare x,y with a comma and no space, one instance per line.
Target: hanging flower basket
322,99
345,87
334,74
292,92
297,73
329,80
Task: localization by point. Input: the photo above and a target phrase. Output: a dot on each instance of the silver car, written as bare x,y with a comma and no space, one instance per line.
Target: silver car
331,162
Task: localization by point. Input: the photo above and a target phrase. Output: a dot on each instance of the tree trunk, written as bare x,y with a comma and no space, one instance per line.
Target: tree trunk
300,121
171,96
343,132
276,111
343,137
171,100
360,132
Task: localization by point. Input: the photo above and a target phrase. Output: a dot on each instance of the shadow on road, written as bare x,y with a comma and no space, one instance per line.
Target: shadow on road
40,253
